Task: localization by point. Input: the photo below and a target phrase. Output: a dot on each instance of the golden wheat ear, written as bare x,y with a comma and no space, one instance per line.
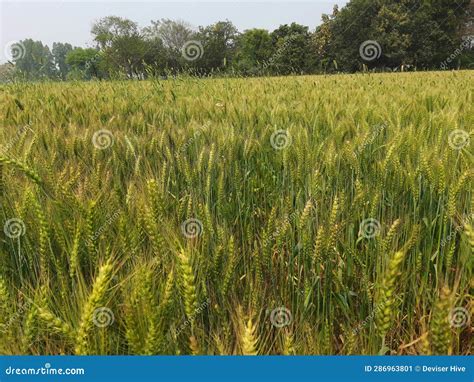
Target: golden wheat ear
249,339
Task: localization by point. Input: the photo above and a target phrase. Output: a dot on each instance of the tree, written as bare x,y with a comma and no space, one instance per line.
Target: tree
35,60
406,31
467,34
291,50
322,38
7,72
173,34
352,26
60,52
167,38
254,48
108,29
436,31
373,34
85,63
157,59
467,27
218,42
391,26
124,48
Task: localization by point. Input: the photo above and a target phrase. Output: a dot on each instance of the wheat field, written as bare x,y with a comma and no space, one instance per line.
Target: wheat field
297,215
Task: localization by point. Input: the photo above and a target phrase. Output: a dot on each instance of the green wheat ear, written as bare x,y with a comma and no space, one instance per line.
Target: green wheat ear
469,229
188,286
440,328
425,347
30,173
4,304
231,265
350,341
2,181
94,301
55,324
75,260
386,301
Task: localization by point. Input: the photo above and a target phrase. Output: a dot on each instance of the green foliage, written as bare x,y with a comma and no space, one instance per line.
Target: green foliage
291,50
411,34
85,63
218,41
60,52
35,60
254,50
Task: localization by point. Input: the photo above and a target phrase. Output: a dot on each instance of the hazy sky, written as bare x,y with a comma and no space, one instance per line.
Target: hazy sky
70,21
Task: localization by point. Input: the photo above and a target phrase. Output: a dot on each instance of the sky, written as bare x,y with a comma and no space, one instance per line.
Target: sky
71,21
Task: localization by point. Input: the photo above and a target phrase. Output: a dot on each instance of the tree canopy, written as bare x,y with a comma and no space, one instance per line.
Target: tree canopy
363,35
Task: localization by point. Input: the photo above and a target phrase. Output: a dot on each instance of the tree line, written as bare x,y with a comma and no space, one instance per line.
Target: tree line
363,35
